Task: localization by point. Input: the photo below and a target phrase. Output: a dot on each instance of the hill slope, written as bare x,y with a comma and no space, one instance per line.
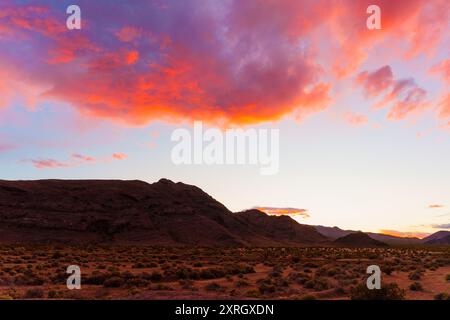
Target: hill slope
435,237
359,239
442,239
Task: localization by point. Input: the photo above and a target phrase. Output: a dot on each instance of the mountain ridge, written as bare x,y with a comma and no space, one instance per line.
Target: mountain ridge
162,213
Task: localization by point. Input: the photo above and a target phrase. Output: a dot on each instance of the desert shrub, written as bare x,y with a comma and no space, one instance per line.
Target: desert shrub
35,293
416,275
212,273
29,280
448,277
96,278
253,294
139,265
114,282
213,286
442,296
52,294
265,288
311,265
242,283
387,292
388,270
156,276
339,290
416,286
317,284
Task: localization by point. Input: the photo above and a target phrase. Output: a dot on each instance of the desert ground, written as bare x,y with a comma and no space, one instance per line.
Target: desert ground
112,272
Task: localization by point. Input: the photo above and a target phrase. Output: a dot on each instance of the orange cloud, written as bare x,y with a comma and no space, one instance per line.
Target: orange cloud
119,156
402,234
434,206
248,63
284,211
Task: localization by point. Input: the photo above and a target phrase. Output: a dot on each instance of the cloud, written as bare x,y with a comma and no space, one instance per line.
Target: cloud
403,234
82,157
403,96
75,160
47,163
442,226
284,211
434,206
374,83
354,118
6,147
234,61
119,156
443,69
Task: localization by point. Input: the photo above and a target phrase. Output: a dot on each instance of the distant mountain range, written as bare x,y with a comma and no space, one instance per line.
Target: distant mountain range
163,213
440,237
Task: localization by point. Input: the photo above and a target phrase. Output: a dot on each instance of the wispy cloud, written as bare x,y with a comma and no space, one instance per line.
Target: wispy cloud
435,206
354,119
6,147
83,157
47,163
442,226
75,160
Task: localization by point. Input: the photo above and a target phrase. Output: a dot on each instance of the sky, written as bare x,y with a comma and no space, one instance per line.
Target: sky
363,115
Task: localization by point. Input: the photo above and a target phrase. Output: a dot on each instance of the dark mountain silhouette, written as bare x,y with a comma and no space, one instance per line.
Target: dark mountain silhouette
358,239
441,241
280,228
438,238
334,232
114,211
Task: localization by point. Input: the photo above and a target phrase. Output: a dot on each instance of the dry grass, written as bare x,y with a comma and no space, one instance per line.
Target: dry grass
38,272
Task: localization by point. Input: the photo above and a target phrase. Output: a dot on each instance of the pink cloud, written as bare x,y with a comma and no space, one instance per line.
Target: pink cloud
443,69
6,147
403,96
82,157
354,118
47,163
377,81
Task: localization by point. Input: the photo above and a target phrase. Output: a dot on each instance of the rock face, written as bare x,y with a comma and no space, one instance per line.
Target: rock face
135,212
358,239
